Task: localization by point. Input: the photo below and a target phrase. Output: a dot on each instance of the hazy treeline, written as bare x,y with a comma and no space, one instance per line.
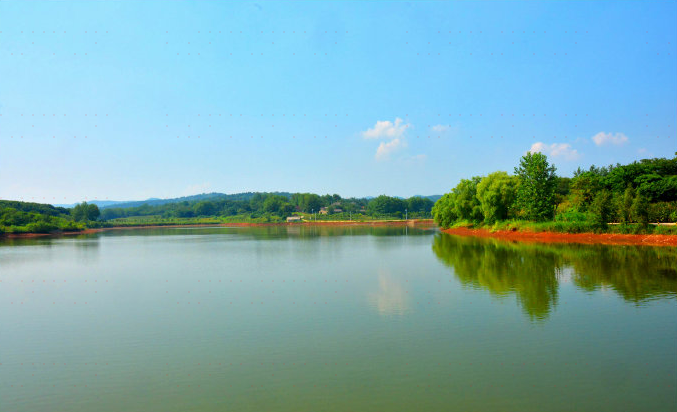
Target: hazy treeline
277,205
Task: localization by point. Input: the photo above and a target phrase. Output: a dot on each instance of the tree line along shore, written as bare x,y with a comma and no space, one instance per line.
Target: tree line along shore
636,198
251,208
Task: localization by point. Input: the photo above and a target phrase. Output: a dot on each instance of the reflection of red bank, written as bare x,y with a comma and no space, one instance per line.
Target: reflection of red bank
552,237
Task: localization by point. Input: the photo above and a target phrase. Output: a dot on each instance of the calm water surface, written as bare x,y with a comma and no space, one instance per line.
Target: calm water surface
333,319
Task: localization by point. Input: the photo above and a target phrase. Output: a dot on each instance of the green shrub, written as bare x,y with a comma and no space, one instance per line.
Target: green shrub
662,212
665,230
41,227
623,228
462,223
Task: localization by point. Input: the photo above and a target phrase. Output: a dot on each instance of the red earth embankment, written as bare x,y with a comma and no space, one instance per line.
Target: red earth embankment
553,237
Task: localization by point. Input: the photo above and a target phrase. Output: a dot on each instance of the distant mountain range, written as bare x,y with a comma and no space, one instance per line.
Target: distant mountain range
104,204
100,203
154,201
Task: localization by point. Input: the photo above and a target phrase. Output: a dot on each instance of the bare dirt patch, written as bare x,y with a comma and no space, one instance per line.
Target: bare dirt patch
586,238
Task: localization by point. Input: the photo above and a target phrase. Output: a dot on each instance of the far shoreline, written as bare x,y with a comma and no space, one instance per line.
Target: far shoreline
588,238
409,222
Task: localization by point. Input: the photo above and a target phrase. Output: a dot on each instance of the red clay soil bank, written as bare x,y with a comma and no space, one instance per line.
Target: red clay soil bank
411,222
553,237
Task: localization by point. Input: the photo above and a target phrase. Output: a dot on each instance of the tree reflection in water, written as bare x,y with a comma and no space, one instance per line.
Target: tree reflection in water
532,271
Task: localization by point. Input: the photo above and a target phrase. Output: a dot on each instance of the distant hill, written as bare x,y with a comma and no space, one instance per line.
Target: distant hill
203,196
434,198
100,203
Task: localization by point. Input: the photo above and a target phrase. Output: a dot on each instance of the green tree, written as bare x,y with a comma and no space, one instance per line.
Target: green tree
183,211
286,209
204,208
444,211
327,200
466,204
625,206
419,204
386,205
496,194
640,209
311,202
256,202
84,211
563,189
584,186
536,188
93,212
79,212
601,208
460,204
274,203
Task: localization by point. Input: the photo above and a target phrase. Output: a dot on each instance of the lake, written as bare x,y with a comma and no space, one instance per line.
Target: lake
333,319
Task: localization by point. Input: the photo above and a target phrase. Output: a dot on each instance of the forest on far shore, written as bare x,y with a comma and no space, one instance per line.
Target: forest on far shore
617,198
25,217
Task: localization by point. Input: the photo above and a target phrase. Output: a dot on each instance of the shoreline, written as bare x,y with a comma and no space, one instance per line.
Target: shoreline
507,235
410,222
556,237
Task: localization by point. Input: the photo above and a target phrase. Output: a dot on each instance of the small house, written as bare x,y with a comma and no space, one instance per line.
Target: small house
291,219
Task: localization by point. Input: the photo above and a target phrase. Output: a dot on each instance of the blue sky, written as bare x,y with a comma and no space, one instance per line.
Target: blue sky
130,100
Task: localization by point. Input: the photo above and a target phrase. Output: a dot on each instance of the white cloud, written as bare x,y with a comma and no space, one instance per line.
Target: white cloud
385,129
602,139
393,132
439,128
562,150
538,147
386,148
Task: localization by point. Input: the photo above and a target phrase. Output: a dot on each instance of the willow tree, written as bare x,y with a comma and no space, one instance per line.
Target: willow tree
496,193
